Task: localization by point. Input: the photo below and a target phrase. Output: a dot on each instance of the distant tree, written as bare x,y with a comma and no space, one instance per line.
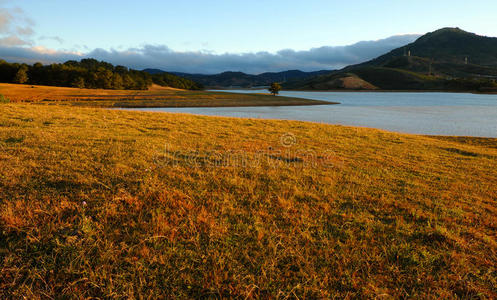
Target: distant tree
71,63
7,71
141,84
128,82
22,75
275,88
121,70
89,63
79,83
104,78
117,82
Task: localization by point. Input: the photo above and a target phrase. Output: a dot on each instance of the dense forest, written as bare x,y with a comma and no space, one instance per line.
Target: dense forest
89,73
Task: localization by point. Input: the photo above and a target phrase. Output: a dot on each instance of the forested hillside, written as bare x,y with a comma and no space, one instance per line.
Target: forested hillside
89,73
243,80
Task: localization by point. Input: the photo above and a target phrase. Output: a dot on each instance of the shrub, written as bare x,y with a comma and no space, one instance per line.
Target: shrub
4,99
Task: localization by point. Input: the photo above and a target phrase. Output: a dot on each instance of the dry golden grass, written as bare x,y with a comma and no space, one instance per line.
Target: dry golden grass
156,96
119,204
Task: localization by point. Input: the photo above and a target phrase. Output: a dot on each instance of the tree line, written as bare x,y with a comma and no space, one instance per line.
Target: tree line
89,73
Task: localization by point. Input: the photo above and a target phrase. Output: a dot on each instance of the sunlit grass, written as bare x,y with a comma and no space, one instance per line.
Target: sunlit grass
117,204
156,96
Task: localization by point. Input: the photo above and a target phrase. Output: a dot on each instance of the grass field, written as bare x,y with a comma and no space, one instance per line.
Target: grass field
156,96
118,204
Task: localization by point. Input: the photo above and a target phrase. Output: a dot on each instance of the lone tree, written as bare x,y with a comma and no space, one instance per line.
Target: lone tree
275,88
22,75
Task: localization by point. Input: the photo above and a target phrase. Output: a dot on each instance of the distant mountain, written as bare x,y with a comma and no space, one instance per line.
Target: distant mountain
154,71
446,59
449,45
243,80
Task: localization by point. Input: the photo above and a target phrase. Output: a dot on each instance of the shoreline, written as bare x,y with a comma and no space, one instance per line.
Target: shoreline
396,91
155,97
364,91
143,110
218,106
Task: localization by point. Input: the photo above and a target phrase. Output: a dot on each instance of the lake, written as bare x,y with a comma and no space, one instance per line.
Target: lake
461,114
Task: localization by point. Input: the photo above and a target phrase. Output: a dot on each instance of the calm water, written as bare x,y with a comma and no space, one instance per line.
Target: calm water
421,113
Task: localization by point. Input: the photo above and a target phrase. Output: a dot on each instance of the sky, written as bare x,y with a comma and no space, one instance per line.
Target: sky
219,35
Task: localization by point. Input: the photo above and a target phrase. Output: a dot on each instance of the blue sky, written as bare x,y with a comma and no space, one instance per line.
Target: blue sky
217,27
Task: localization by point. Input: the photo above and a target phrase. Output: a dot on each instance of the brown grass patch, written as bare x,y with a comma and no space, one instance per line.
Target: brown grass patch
91,205
154,97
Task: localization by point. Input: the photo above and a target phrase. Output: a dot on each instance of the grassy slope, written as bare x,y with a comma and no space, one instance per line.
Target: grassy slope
372,213
380,77
155,97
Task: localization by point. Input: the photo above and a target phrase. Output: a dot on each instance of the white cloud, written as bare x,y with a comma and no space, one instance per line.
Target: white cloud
53,38
16,30
162,57
153,56
5,20
15,27
12,40
36,54
24,30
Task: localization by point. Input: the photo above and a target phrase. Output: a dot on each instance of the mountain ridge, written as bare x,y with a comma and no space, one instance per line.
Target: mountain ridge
445,59
241,79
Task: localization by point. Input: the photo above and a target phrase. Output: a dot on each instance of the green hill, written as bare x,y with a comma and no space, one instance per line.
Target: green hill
447,59
450,45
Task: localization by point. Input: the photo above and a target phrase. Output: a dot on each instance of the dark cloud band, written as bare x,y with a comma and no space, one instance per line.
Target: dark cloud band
152,56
